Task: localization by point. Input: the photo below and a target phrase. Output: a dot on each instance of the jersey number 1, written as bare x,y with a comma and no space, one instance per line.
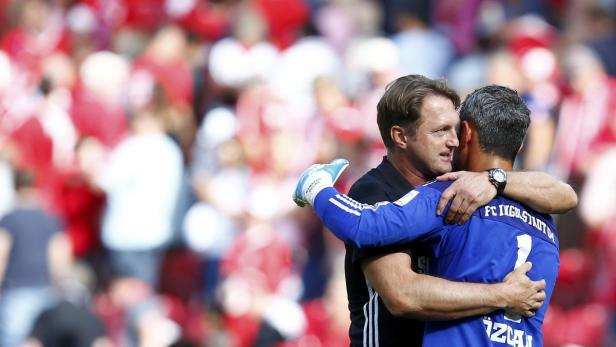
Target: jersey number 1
525,242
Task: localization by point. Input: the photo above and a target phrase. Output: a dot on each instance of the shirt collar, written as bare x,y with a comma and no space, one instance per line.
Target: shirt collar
392,176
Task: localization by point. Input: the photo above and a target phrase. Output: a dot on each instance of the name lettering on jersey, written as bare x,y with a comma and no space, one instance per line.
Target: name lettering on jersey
505,334
523,215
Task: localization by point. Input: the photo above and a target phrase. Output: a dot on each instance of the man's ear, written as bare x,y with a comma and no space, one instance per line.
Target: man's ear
399,136
465,134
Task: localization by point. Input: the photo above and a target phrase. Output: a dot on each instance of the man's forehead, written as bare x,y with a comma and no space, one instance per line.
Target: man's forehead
445,117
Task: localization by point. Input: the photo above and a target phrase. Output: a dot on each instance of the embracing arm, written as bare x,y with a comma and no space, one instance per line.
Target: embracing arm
409,294
540,191
381,224
472,190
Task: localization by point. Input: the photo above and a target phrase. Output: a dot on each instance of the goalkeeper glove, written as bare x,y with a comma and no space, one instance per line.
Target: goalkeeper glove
316,178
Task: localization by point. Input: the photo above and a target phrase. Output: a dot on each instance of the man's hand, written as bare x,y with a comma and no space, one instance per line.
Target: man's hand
522,295
470,191
316,178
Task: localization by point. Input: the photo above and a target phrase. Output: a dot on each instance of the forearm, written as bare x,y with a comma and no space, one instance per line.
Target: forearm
60,257
540,191
406,293
432,298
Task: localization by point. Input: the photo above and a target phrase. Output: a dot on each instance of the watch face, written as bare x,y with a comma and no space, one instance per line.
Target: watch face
499,176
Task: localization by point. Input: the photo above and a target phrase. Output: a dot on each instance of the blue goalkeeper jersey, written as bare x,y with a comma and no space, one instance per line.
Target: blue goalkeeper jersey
498,238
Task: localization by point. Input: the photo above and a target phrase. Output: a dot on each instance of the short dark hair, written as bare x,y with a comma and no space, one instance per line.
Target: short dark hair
401,103
501,118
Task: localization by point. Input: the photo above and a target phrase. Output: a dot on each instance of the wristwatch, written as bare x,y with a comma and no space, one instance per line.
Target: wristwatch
498,178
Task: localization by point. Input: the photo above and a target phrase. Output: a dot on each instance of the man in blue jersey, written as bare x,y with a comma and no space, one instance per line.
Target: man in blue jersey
498,238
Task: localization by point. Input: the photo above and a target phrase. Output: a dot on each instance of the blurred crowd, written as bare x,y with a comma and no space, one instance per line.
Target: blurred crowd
149,148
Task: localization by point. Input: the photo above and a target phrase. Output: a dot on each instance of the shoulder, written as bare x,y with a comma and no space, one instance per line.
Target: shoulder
523,218
5,218
370,188
369,180
10,218
435,186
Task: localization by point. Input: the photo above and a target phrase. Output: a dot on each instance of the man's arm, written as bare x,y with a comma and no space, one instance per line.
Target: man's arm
409,294
60,257
5,250
535,189
540,191
383,224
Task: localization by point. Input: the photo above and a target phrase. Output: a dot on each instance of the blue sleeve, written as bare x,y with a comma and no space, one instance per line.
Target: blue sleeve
411,217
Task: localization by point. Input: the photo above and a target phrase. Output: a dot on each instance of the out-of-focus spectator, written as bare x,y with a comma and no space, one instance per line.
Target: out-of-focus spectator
246,56
226,187
219,126
327,319
459,20
603,37
70,322
260,287
504,69
208,19
284,19
67,325
598,210
586,114
528,64
39,31
598,201
80,205
97,109
335,109
142,180
293,79
134,315
178,120
561,329
59,77
165,61
338,22
33,254
210,233
415,35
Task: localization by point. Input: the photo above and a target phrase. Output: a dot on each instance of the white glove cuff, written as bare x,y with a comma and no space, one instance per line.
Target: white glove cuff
315,183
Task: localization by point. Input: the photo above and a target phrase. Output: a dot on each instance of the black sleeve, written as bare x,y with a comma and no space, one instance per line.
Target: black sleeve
371,192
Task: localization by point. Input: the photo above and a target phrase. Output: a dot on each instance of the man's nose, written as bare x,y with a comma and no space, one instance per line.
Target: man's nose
452,140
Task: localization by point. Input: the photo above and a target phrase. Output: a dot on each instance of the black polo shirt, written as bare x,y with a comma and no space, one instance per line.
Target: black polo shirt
371,323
